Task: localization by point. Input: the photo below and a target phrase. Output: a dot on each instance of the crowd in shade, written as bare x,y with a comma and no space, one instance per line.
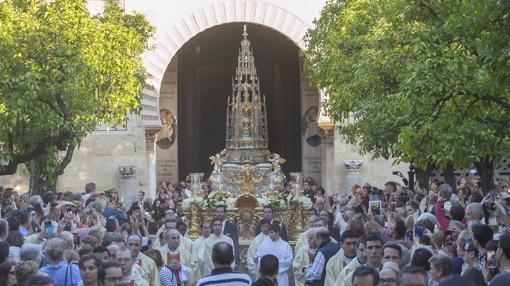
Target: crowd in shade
388,235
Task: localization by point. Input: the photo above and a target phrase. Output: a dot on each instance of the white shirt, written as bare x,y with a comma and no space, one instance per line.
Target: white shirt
282,250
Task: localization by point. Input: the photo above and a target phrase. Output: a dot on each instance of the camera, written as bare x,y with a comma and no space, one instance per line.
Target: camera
418,230
71,209
358,209
375,191
76,239
48,226
490,204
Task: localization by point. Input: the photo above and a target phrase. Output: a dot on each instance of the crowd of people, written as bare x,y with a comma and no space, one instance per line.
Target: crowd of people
367,236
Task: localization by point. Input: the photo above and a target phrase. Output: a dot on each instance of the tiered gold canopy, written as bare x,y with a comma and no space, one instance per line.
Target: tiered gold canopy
246,165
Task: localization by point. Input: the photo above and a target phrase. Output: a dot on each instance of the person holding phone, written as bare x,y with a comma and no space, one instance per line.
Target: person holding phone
498,262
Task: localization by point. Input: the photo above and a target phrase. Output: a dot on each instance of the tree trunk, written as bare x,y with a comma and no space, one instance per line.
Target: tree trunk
449,175
423,176
485,168
39,182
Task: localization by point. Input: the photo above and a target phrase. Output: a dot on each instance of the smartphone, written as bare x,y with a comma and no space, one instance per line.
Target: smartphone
418,230
393,206
409,235
491,259
375,206
49,230
447,206
67,226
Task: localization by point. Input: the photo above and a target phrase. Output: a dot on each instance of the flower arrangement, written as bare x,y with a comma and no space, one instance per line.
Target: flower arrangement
186,203
305,202
282,201
262,201
214,200
287,200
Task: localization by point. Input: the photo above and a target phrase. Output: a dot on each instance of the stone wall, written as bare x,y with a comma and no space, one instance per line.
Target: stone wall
98,159
373,171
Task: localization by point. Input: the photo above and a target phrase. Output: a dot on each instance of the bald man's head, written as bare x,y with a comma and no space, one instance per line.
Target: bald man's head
222,254
113,249
135,243
312,238
312,232
173,238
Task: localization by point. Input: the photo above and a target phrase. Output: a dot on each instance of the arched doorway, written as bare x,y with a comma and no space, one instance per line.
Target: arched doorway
206,64
194,92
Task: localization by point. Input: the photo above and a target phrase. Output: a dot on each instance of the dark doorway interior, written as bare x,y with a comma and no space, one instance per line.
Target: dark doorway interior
206,64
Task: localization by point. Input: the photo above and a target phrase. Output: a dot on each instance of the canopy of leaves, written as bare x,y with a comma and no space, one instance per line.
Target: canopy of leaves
62,72
420,80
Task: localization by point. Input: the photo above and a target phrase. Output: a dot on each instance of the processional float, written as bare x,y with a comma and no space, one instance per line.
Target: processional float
246,175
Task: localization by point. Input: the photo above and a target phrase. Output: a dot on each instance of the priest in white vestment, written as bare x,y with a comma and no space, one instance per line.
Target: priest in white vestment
279,248
171,223
252,250
317,223
199,247
130,271
304,258
302,237
343,257
361,259
181,262
214,238
148,269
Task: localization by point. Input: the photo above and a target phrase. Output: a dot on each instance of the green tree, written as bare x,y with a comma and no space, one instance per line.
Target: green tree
417,80
63,72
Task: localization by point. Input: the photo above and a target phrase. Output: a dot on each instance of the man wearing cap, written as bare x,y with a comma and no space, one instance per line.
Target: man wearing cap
470,257
502,261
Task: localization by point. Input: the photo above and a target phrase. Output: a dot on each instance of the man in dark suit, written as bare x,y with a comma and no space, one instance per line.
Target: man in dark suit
229,229
268,214
141,203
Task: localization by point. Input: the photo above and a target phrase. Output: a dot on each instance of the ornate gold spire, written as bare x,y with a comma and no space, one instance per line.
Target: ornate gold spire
246,109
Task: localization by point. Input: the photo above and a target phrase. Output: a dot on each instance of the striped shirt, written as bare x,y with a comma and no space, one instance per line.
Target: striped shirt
167,277
225,276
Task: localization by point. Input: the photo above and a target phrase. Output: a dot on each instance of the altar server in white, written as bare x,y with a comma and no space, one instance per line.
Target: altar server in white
279,248
254,245
214,238
199,246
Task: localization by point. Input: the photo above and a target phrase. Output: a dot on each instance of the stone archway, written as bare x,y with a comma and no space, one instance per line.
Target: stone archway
170,39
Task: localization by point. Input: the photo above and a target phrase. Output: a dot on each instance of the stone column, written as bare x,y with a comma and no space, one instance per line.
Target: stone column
150,136
329,174
352,176
128,185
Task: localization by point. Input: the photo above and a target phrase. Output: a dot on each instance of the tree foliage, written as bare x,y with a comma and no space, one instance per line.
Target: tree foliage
418,80
63,72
